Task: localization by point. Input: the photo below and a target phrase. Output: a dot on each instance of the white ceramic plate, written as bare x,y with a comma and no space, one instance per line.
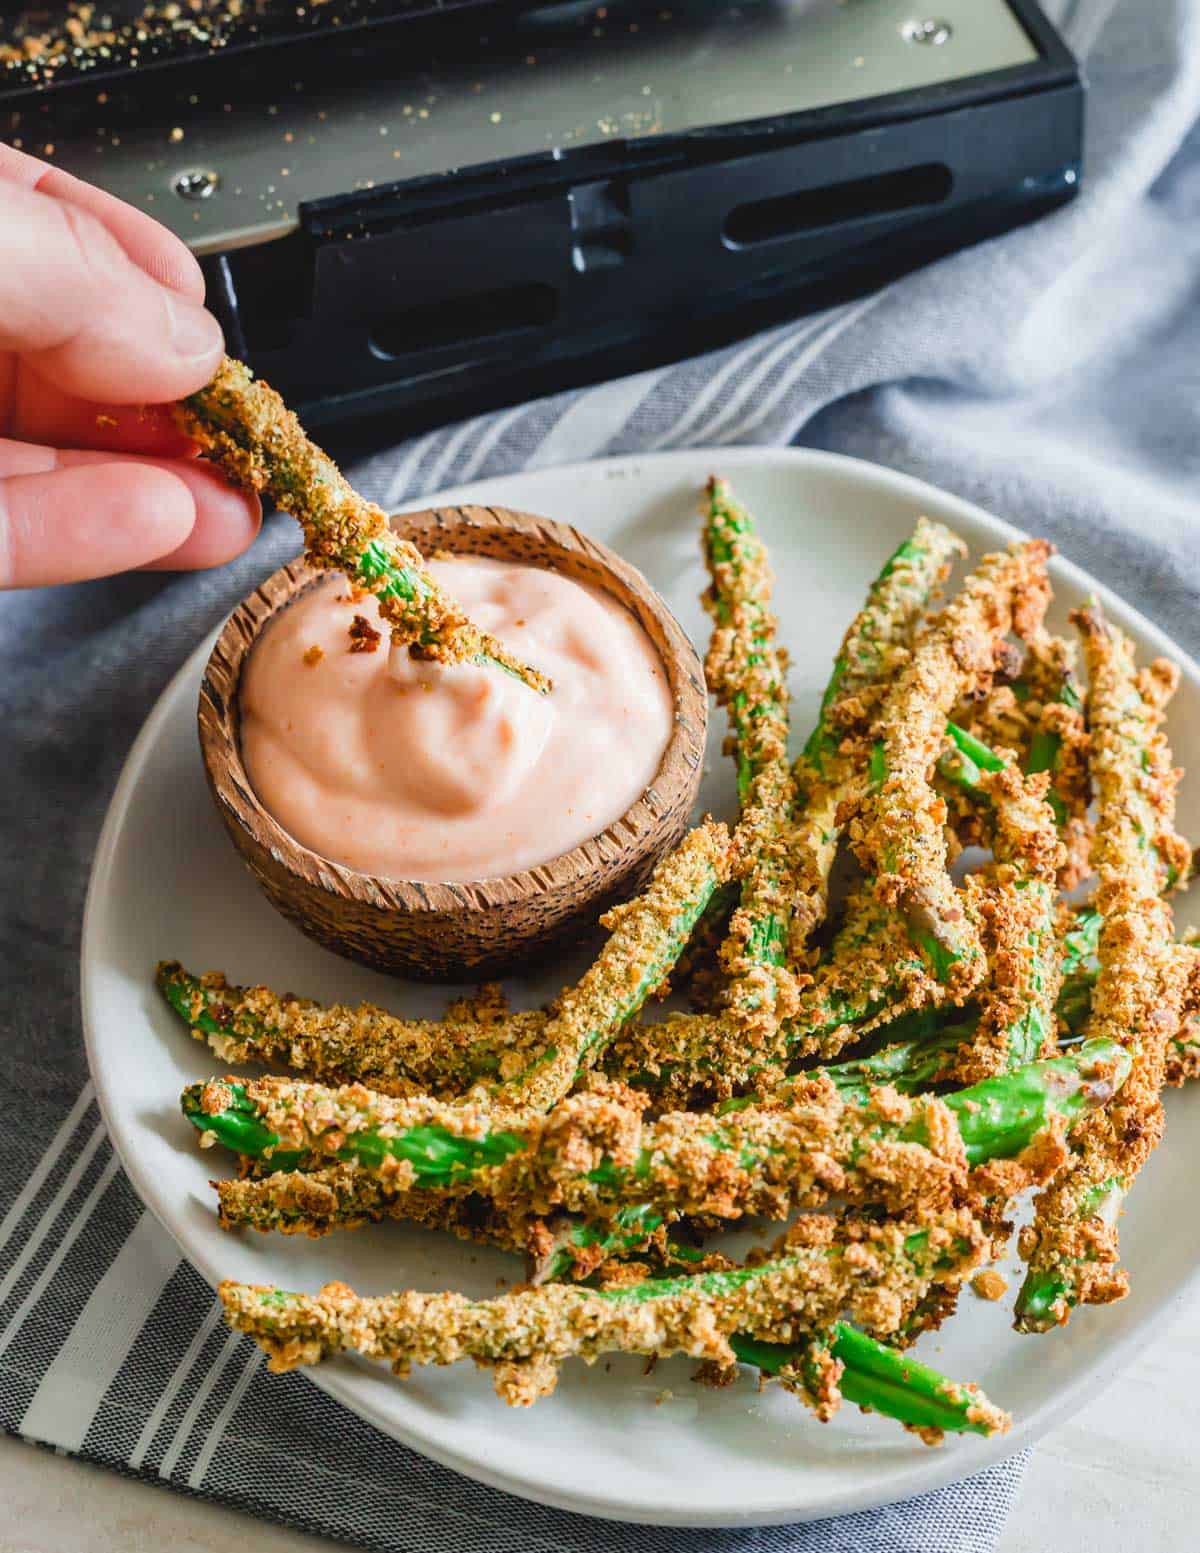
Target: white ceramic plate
611,1441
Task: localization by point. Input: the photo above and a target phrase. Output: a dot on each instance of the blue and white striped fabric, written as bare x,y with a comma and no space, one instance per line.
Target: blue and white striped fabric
1050,375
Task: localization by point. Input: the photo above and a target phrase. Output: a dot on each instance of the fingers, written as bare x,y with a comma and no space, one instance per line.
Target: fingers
103,308
150,246
226,520
38,411
86,317
69,516
76,523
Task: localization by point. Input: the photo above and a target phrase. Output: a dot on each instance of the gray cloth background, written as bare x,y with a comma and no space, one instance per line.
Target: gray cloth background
1052,375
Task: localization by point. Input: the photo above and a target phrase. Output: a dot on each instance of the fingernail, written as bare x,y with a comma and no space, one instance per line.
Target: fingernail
194,330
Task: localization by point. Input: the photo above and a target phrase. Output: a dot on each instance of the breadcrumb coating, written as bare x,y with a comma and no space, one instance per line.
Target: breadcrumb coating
871,975
1018,917
1038,722
746,669
762,987
243,426
868,1277
1061,744
646,937
1072,1246
878,638
344,1196
335,1044
745,666
899,832
593,1155
1183,1054
1015,907
1024,832
874,650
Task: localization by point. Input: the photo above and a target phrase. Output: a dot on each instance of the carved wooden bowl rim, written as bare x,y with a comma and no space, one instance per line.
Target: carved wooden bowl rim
506,535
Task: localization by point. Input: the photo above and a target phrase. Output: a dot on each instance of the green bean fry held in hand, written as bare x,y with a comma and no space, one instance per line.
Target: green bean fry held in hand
241,424
882,1052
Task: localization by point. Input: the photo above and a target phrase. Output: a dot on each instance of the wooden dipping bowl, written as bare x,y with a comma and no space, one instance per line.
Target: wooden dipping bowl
460,932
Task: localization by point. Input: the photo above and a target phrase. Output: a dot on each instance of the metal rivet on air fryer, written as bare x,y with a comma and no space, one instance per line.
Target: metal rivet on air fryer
929,31
196,183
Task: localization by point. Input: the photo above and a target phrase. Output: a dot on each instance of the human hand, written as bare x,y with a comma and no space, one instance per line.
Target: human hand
102,325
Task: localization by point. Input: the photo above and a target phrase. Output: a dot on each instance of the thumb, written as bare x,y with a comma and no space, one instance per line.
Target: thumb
86,317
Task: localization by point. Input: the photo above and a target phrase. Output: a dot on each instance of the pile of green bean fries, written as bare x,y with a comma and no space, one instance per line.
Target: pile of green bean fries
886,1044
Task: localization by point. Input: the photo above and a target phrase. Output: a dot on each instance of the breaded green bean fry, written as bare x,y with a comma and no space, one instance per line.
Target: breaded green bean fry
1072,1246
872,1275
1059,744
646,937
876,1378
899,833
746,670
873,649
338,1044
595,1155
242,425
1017,905
745,666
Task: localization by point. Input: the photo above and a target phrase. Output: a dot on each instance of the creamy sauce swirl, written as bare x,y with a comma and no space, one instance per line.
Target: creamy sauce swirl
425,771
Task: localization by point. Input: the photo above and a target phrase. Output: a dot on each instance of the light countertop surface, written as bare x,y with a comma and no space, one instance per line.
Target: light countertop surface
1120,1475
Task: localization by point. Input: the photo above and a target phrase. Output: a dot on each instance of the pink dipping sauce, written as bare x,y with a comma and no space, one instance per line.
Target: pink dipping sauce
413,770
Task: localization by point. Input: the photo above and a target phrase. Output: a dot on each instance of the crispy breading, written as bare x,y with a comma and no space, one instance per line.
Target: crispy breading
1017,917
472,1044
242,425
745,666
646,937
873,651
1024,832
762,988
989,1284
1037,721
1183,1054
1060,736
1015,906
899,830
871,975
804,1289
593,1154
343,1196
746,670
1072,1246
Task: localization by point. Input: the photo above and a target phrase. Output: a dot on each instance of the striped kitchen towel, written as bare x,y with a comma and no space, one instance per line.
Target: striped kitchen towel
1049,375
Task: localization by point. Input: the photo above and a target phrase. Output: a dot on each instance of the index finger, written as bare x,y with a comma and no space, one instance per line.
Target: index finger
163,256
84,315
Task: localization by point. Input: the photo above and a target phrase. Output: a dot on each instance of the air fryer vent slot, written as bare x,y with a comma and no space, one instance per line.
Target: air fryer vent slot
837,204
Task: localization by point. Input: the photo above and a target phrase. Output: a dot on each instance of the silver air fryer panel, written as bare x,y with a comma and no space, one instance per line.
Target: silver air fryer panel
225,174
